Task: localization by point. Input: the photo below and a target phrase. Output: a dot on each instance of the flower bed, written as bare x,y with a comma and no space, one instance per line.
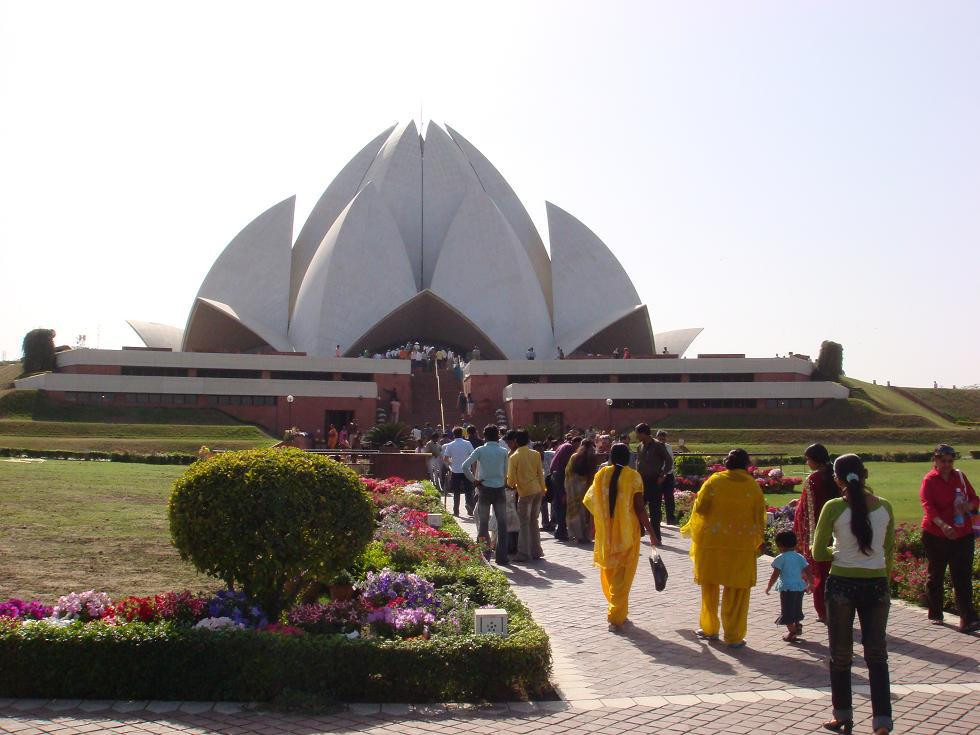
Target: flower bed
908,579
406,635
770,479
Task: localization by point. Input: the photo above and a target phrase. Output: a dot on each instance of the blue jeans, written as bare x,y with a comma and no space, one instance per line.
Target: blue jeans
496,497
870,598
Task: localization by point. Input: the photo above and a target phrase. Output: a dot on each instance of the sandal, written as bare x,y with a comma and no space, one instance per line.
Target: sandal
790,638
935,621
704,636
843,726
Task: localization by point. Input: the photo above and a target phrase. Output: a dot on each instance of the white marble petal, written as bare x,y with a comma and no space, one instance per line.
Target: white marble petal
204,334
157,336
484,272
512,209
446,177
252,273
360,273
331,203
592,290
676,341
397,175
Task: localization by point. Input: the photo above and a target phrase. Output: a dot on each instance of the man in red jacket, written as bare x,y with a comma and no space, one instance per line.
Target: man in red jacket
948,504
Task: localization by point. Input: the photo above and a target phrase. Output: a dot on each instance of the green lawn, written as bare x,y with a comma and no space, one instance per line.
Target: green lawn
73,526
898,482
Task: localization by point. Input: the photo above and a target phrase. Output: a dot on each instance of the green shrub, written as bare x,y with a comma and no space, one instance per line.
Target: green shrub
261,519
378,436
139,661
690,464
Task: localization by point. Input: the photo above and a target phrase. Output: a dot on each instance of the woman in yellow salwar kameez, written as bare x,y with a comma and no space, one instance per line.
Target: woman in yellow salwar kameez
726,530
615,500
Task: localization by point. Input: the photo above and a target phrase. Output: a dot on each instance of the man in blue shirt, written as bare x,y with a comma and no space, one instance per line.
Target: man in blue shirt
491,459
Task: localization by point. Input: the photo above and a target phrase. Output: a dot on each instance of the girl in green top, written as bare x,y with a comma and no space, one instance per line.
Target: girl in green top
863,531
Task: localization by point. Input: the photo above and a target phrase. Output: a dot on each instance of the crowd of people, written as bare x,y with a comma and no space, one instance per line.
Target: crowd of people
587,489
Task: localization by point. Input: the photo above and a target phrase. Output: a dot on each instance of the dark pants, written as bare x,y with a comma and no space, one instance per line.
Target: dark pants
790,608
957,554
546,503
460,484
497,498
870,599
559,505
654,494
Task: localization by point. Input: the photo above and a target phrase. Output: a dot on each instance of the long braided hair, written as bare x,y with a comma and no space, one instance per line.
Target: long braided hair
619,456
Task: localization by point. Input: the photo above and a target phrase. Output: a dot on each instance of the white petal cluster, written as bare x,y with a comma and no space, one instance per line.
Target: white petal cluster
415,237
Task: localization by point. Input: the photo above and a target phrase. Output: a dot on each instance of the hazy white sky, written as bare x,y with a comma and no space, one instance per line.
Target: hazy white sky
777,172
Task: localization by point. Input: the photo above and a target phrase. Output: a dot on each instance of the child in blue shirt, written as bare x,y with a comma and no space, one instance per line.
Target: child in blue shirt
792,577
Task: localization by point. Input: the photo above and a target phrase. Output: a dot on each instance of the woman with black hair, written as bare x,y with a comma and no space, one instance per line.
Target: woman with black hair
615,500
726,530
817,490
948,503
863,529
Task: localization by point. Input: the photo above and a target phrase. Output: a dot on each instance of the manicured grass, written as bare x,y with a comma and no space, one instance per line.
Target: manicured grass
9,371
956,404
794,441
898,482
892,401
73,526
848,413
132,446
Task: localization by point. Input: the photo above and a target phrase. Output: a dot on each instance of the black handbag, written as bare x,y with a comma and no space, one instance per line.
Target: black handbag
659,570
549,493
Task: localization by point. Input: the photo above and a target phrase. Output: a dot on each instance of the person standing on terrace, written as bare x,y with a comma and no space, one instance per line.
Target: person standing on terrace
948,503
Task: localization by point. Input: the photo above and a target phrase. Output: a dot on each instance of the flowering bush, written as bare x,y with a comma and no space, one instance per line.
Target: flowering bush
84,606
19,610
218,623
408,521
683,502
180,607
340,616
387,586
910,570
236,607
134,609
405,622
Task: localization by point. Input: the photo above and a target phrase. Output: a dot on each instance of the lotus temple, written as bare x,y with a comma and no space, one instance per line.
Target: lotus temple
420,239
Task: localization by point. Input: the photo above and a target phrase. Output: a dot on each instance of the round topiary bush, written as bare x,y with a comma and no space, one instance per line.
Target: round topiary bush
262,519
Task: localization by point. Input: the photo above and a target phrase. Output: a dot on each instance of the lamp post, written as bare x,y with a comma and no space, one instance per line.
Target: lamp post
609,403
289,415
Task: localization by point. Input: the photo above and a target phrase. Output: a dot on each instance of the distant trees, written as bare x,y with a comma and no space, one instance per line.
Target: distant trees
830,361
38,349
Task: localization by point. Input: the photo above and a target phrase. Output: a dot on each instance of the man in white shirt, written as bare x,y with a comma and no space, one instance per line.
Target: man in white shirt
416,433
454,454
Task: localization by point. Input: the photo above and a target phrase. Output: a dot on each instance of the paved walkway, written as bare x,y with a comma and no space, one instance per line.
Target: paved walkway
655,677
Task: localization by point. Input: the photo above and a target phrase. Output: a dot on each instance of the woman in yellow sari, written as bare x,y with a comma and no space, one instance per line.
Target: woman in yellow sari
615,501
726,530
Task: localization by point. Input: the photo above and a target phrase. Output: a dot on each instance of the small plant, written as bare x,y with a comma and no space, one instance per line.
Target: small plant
385,434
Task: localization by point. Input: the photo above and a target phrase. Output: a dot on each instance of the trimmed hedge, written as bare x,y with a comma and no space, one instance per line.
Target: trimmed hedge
167,458
138,661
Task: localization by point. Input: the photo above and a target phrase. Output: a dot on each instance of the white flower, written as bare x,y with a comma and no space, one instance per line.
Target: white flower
217,623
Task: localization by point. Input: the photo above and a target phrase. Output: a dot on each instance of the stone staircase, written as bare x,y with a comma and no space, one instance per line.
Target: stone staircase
425,401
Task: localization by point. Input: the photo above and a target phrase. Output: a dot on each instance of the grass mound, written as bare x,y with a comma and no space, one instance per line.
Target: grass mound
891,400
850,413
959,405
